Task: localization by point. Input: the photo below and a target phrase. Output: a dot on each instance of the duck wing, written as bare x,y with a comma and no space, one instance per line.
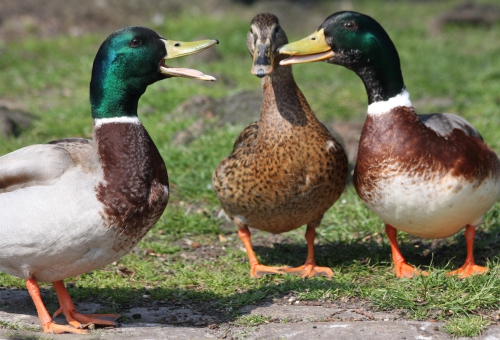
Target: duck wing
445,123
40,164
247,137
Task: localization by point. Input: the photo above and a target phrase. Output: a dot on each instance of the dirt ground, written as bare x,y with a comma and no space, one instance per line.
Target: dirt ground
286,318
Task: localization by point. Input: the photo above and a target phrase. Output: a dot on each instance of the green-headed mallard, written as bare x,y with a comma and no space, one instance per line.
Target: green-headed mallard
285,170
427,175
74,205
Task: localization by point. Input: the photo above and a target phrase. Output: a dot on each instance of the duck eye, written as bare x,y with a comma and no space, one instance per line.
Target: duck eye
135,42
350,25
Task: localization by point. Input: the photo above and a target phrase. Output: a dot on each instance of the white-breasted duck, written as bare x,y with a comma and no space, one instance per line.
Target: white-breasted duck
74,205
428,175
285,170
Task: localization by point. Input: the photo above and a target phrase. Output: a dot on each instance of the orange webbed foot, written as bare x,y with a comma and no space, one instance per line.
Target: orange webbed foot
405,270
310,270
79,320
401,268
259,270
55,328
468,270
470,267
49,326
76,319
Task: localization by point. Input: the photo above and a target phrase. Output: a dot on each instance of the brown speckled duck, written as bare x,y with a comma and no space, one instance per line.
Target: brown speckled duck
285,170
429,175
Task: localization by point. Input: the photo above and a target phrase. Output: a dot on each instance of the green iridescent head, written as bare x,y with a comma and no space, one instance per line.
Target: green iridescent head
128,61
358,42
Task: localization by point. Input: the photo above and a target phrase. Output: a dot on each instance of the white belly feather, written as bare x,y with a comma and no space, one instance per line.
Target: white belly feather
53,232
436,208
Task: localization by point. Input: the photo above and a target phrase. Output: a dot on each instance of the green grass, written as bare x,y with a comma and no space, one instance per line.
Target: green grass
466,326
16,326
50,78
252,320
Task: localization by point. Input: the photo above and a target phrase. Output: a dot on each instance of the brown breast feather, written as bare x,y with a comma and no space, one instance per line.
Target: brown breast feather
133,191
399,140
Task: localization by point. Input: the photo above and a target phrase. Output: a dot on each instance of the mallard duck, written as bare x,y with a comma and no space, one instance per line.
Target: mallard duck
428,175
285,170
74,205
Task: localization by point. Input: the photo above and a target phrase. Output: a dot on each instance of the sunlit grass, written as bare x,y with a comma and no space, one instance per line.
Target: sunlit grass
50,78
466,326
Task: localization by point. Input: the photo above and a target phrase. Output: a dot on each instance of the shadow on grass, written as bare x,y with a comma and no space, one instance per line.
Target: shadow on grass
368,253
438,253
170,306
451,252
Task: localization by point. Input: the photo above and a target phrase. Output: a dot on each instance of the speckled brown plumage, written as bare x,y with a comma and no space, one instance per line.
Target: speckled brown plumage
286,169
135,188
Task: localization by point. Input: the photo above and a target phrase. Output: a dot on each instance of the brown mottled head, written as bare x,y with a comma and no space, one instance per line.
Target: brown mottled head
263,40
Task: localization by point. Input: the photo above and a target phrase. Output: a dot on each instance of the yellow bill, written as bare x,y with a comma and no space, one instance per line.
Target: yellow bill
309,49
176,49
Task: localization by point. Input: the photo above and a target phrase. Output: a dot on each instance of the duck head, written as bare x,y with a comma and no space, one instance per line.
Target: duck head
129,60
357,42
263,40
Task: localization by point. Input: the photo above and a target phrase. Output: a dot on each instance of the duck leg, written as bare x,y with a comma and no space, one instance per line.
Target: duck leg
310,269
76,319
401,268
469,268
257,270
49,326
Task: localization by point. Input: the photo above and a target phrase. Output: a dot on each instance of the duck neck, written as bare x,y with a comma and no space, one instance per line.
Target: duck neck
283,100
110,98
381,76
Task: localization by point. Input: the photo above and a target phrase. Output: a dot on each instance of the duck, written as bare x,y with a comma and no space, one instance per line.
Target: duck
73,205
429,175
285,170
